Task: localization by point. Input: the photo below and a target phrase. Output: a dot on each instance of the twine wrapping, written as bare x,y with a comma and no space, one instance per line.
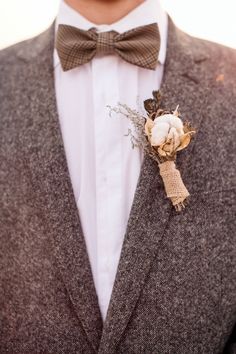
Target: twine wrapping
174,186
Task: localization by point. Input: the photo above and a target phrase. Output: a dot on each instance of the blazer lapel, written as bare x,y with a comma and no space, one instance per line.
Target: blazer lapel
51,180
151,211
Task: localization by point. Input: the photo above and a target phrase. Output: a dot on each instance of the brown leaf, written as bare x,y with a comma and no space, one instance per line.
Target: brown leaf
184,141
150,105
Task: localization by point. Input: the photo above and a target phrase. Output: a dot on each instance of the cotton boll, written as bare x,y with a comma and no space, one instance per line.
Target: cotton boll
172,120
163,119
177,123
174,137
159,133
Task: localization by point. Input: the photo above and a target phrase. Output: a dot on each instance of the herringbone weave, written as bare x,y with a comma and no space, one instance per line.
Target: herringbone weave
139,46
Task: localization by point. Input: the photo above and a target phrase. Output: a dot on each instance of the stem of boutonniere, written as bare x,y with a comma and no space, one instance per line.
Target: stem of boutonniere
174,186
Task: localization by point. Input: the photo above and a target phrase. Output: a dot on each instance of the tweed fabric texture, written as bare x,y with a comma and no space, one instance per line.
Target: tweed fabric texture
175,287
139,46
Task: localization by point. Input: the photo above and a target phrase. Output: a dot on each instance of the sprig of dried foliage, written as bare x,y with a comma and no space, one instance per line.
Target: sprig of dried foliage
138,136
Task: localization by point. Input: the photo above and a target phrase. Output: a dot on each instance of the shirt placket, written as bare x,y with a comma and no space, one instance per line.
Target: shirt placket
108,152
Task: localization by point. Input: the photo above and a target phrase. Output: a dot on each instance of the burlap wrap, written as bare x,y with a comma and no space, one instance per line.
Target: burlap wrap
174,186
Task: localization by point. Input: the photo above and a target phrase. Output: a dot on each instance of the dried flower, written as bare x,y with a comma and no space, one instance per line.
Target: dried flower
167,134
161,135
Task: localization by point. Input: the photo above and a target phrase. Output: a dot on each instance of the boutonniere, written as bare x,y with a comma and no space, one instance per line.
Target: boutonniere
161,134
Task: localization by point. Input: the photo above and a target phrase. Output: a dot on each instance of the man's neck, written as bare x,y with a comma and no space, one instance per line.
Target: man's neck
103,11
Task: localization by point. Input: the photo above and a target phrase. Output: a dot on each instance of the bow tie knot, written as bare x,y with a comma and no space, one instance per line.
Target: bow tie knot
139,46
105,42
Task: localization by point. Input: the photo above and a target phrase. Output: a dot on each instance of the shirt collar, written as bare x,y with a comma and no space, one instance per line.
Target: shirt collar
150,11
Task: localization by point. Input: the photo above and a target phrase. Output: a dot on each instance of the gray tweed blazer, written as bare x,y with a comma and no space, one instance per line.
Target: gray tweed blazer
175,289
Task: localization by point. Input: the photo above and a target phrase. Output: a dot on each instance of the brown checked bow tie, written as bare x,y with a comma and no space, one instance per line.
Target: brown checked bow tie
139,46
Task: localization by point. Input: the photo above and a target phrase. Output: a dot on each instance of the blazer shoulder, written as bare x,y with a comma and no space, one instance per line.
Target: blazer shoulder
13,68
18,54
212,47
9,63
20,68
217,58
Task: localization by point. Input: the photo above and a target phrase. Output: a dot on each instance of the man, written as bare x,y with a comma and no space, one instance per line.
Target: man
81,270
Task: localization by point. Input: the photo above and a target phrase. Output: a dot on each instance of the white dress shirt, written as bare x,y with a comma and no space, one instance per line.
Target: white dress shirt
103,167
